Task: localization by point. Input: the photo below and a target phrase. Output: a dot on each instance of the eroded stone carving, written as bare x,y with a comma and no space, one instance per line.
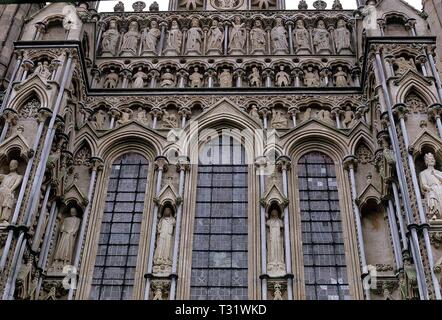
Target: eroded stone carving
150,38
255,78
343,38
9,183
279,121
110,40
215,38
164,243
302,38
275,245
341,78
431,186
403,65
194,38
111,80
311,78
139,78
225,79
174,40
258,38
282,78
196,79
238,36
42,70
130,40
168,80
279,37
321,38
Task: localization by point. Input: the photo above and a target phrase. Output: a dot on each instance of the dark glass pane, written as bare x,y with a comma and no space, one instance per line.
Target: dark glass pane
219,261
324,256
114,272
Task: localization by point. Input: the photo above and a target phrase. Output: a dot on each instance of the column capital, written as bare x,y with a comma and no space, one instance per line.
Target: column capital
293,111
10,116
43,114
183,163
156,111
350,162
400,110
96,163
264,111
284,163
161,163
435,110
184,111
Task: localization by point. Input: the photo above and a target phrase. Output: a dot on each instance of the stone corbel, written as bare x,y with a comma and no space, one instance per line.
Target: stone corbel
278,289
160,289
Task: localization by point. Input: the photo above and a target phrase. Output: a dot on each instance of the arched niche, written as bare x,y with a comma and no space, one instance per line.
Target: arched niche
395,26
375,230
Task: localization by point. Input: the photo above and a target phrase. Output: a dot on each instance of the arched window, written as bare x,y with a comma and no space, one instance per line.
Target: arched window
325,269
114,272
219,258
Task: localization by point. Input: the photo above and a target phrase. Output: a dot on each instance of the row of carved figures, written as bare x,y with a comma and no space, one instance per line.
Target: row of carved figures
275,118
309,76
217,39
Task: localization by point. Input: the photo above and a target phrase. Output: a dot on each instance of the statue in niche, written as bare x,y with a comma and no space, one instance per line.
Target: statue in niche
150,38
164,244
282,78
196,79
307,114
174,39
321,38
263,4
279,121
168,80
238,37
126,116
258,38
8,184
278,36
110,40
255,78
64,248
275,245
194,38
343,38
225,79
43,70
341,78
139,78
254,114
99,120
192,4
403,65
24,279
170,120
311,78
431,186
142,116
326,117
349,118
302,38
130,40
111,80
215,38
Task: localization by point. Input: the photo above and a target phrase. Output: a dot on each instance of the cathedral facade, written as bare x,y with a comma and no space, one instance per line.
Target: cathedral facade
223,149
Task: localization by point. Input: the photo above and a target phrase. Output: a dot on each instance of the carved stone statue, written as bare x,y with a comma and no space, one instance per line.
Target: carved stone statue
99,120
174,40
311,78
150,39
168,80
349,118
43,70
326,117
238,37
275,245
24,279
215,38
343,38
130,40
278,36
307,114
126,116
255,114
255,78
302,38
194,38
139,78
142,116
321,39
66,239
258,38
8,184
110,40
225,79
282,78
164,243
431,186
403,65
111,80
279,121
170,120
196,79
341,78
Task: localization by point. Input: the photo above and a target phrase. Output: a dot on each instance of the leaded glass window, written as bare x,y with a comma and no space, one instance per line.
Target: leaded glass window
115,264
323,246
219,260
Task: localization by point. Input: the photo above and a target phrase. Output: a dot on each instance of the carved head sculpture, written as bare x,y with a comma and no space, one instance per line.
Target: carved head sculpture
73,212
274,214
113,24
133,26
300,24
340,69
195,23
167,212
321,24
258,23
140,69
13,165
215,23
175,24
195,69
237,20
429,160
281,68
45,63
154,24
278,22
341,23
